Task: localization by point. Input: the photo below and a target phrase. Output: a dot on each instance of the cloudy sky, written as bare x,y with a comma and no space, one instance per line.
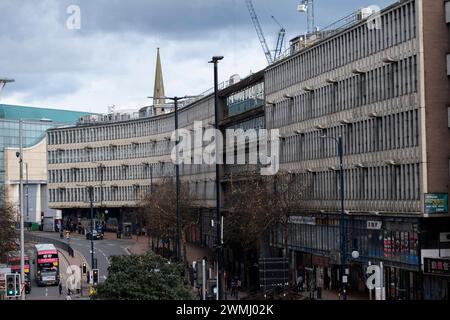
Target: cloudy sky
110,59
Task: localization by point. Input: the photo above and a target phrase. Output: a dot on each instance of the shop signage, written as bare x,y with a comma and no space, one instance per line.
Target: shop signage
374,225
302,220
436,203
436,266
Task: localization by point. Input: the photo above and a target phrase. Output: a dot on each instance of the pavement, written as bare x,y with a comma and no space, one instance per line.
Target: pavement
111,246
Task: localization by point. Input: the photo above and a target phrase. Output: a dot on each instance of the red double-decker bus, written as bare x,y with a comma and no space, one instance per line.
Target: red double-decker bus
46,265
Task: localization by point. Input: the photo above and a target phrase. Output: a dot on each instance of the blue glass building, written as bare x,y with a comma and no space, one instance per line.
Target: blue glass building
36,121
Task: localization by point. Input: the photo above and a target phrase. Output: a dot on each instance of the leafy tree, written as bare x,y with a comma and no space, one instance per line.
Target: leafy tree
144,277
7,226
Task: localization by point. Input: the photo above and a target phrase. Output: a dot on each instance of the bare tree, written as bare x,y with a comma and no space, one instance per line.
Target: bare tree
158,210
7,226
255,205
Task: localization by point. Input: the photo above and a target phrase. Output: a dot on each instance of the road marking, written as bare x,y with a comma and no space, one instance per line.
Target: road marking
46,292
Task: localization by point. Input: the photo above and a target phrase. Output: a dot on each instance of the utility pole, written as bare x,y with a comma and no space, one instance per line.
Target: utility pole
151,178
27,191
177,170
22,236
101,168
342,230
91,201
215,60
342,217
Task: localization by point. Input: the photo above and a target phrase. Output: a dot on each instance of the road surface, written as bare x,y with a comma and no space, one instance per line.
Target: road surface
103,250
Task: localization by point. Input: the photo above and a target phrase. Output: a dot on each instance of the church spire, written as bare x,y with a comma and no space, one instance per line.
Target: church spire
159,83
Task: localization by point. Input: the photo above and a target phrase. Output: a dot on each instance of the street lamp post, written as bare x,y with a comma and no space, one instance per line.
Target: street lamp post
27,192
343,248
177,169
342,217
21,201
3,82
219,295
91,202
22,236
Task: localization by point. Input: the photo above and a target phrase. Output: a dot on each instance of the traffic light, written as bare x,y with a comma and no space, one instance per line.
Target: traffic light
10,280
95,276
198,272
194,270
17,284
84,268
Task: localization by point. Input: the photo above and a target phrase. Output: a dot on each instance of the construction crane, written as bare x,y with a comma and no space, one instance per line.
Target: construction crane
307,6
280,40
259,31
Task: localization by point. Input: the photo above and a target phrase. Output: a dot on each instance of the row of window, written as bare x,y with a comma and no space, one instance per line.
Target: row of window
127,193
112,152
400,182
253,123
387,82
394,131
393,27
201,190
111,132
125,172
115,173
131,129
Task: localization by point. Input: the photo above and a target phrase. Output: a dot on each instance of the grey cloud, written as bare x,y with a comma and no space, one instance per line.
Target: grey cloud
118,36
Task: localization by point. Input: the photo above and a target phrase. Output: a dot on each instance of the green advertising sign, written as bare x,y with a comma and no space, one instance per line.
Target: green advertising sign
436,203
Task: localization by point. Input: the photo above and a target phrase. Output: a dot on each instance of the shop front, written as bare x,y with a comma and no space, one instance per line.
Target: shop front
392,240
436,278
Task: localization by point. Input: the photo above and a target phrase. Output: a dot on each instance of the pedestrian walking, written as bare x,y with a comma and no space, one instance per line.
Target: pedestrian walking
233,287
300,283
60,288
238,287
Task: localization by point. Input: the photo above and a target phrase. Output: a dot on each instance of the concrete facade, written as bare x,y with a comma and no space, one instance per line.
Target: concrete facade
35,181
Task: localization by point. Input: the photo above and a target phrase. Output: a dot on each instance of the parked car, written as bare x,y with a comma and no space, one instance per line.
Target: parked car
95,235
